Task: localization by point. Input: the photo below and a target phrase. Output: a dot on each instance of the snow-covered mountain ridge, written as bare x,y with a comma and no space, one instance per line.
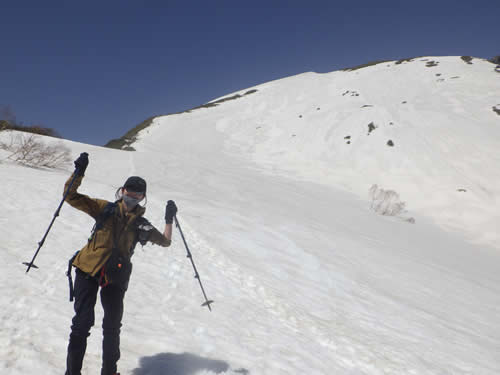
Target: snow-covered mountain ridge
306,278
426,128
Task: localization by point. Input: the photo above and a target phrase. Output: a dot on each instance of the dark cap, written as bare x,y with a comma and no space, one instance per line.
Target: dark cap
135,184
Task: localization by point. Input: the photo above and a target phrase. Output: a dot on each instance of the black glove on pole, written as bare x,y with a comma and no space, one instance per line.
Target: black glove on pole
80,166
170,212
196,274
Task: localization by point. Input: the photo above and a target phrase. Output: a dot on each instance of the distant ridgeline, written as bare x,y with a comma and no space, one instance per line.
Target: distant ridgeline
467,59
123,143
35,129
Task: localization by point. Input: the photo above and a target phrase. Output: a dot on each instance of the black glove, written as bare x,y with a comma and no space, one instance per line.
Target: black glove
170,212
81,164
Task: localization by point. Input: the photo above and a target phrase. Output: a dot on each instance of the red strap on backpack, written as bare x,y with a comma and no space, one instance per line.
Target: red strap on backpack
102,278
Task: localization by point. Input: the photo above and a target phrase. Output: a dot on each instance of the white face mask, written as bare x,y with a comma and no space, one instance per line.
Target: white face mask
130,202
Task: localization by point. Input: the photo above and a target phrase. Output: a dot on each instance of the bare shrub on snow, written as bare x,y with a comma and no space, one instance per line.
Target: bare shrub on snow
386,202
28,149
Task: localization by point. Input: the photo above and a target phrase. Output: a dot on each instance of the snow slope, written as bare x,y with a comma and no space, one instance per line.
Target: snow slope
305,277
437,111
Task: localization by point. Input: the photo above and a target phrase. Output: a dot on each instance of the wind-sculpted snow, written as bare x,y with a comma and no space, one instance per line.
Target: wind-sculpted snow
306,277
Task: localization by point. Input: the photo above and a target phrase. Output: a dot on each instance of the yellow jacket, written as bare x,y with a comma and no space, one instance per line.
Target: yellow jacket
120,229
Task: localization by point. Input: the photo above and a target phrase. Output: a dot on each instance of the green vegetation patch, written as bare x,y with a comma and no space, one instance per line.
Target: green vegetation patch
371,127
404,60
495,60
372,63
124,142
467,59
217,102
35,129
353,93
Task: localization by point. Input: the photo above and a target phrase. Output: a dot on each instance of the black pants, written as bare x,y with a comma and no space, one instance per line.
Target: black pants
85,294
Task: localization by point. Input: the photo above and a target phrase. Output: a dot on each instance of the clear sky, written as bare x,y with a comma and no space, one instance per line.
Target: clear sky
93,70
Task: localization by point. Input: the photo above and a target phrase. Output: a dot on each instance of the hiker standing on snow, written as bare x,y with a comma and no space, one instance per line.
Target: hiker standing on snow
105,262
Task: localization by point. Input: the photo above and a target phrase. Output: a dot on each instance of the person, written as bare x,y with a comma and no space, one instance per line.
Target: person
113,238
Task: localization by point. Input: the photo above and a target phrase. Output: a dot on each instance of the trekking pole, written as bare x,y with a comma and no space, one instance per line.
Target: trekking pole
56,214
196,274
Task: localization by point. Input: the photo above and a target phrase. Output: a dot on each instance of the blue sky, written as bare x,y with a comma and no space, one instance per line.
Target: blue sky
93,70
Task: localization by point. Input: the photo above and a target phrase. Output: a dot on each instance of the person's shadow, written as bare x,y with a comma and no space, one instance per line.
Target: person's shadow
181,364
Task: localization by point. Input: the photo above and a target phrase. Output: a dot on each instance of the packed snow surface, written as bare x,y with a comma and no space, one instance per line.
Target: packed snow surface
273,190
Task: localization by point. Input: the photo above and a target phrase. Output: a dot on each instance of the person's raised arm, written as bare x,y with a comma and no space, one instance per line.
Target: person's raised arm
164,239
79,201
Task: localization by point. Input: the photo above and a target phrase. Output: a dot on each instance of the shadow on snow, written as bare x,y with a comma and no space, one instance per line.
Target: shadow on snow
182,364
